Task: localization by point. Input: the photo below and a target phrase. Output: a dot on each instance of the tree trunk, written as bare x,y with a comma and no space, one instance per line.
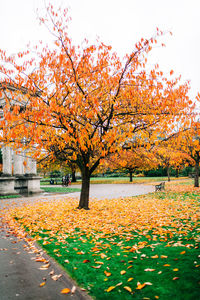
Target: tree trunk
84,197
177,173
73,176
131,175
168,173
196,175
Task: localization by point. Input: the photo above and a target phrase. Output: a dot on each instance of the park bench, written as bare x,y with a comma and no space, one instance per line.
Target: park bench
160,187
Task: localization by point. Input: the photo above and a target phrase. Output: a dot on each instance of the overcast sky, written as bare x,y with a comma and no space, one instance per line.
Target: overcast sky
119,23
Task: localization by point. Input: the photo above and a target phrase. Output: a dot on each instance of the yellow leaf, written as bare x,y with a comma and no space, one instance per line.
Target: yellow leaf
110,289
130,279
183,252
175,269
166,265
123,272
103,255
140,286
128,288
65,291
107,273
42,284
155,256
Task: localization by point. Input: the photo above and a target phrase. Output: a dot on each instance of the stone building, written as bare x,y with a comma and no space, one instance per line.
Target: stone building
19,170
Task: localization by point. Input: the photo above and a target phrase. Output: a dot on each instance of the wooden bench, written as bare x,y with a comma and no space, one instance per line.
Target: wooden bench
160,187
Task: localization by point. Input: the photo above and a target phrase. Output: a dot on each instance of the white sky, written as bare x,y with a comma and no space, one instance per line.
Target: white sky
119,23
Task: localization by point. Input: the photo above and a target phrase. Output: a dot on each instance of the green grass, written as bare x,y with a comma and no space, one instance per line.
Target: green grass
54,189
169,261
176,274
138,180
9,196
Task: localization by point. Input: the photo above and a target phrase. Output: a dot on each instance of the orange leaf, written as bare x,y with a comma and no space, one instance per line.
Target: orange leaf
123,272
110,289
65,291
140,286
183,252
128,288
155,256
107,273
86,261
42,284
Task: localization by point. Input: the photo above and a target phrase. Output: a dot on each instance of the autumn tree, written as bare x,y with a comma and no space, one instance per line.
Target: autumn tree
189,143
84,102
171,157
131,160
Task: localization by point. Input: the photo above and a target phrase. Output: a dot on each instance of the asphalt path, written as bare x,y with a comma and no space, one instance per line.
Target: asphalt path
21,275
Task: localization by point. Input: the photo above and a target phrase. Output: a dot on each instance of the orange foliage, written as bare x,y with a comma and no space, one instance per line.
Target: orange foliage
85,103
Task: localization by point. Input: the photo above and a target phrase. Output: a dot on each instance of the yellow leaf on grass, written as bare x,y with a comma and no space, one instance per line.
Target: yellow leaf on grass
154,256
175,269
65,291
140,286
123,272
130,279
103,255
128,289
110,289
183,252
107,273
166,265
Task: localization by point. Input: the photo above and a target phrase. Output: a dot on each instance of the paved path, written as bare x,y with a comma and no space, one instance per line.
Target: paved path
20,274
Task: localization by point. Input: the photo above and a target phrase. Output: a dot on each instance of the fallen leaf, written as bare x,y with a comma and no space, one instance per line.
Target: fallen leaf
123,272
149,270
42,284
56,277
127,288
130,279
164,256
110,289
86,261
107,273
140,286
96,267
175,270
154,256
183,252
175,278
65,291
73,289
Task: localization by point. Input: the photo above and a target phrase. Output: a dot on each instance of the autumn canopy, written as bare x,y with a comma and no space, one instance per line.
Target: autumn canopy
83,103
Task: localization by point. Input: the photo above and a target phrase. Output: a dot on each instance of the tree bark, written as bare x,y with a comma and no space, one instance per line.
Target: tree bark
131,175
168,173
84,197
73,176
196,175
177,173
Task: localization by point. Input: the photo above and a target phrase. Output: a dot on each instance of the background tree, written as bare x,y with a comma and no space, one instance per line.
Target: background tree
132,160
189,143
86,102
169,157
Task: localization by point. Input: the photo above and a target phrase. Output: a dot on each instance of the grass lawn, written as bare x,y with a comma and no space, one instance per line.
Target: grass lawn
54,189
144,247
9,196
